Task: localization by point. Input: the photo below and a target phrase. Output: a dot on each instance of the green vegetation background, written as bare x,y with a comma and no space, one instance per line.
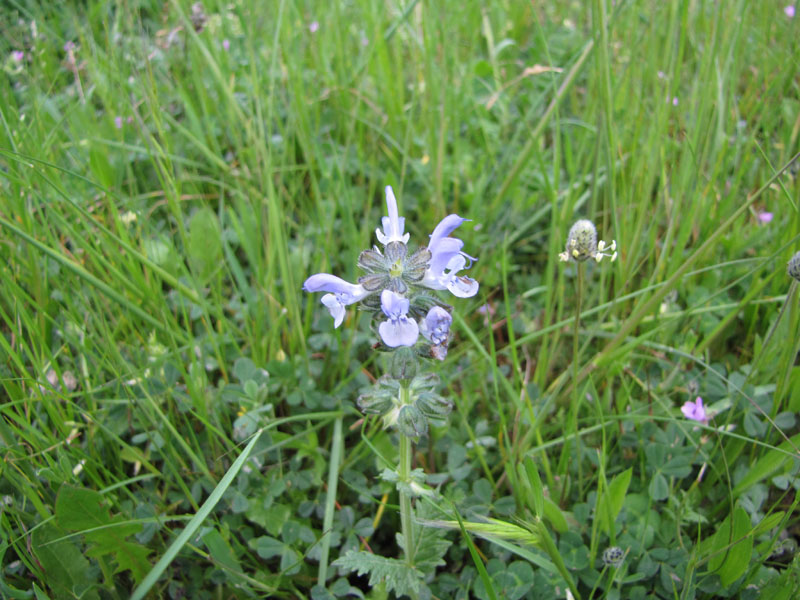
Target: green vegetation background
167,182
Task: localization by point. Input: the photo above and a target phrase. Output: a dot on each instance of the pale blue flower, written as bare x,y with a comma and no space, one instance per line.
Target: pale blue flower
342,293
447,260
398,329
435,327
393,225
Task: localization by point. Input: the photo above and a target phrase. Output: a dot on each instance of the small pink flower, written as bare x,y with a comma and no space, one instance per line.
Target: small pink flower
313,27
661,75
226,45
695,411
69,46
118,122
765,217
675,101
789,11
17,56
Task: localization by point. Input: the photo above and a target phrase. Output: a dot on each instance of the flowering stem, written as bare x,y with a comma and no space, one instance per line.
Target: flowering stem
404,472
575,352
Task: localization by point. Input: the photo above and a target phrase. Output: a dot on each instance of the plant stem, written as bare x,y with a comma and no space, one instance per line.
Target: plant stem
575,352
404,472
330,500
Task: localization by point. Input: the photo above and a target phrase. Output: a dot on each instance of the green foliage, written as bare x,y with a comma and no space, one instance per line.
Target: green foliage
167,186
396,575
84,511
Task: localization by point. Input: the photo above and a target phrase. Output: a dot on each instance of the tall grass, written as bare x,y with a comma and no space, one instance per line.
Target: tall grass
167,188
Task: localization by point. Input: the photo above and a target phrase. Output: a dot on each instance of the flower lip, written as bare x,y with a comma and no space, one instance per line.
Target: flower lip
393,225
398,329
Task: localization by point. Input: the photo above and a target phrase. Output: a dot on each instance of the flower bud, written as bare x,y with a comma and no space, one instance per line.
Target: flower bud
613,556
582,240
793,268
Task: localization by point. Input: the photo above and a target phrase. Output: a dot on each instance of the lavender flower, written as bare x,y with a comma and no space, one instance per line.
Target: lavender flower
435,328
17,56
695,411
765,217
399,329
789,11
341,293
447,260
393,286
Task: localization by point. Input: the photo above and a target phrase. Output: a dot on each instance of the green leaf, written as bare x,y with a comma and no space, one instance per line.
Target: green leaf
658,488
195,523
64,564
397,575
267,547
732,547
221,551
511,582
554,515
79,509
768,465
85,511
204,243
430,548
610,503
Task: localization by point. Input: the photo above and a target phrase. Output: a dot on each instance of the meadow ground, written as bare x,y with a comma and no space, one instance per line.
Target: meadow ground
179,418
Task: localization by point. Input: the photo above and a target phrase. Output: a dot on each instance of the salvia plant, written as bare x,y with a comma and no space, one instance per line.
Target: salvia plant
413,325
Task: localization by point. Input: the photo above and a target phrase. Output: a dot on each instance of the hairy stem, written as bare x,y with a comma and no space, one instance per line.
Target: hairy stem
404,471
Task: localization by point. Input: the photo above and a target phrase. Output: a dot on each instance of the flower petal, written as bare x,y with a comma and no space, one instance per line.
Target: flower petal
393,225
335,307
399,332
435,327
394,305
445,227
463,287
324,282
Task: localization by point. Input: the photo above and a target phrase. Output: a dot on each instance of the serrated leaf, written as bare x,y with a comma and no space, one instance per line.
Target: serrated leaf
79,509
63,562
430,548
397,575
85,511
129,556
